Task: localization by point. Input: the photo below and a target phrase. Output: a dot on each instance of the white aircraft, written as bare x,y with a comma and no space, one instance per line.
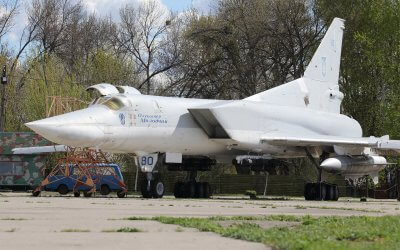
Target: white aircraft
297,119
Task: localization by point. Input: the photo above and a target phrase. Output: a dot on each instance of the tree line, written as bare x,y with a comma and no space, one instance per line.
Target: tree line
238,49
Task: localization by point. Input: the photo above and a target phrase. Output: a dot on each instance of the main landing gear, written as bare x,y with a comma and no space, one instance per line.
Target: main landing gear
192,188
321,192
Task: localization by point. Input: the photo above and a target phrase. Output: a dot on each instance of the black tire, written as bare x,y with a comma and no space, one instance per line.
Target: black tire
307,192
157,189
143,188
35,193
62,189
121,194
87,194
313,191
321,191
105,189
190,189
199,190
336,193
179,189
206,190
77,194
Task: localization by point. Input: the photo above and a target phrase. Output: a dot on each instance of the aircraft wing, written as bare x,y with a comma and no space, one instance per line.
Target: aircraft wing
382,144
39,150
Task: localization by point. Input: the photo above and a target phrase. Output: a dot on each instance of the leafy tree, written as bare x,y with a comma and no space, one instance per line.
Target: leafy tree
370,69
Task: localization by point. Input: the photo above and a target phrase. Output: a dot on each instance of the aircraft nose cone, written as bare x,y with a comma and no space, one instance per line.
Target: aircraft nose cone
77,129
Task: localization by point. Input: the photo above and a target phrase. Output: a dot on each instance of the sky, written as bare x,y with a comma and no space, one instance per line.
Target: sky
105,7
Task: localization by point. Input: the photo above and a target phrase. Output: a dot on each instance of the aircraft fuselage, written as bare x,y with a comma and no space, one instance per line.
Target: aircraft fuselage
147,124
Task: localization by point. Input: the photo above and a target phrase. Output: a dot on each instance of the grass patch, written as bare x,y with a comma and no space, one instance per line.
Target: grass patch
341,208
179,229
137,218
74,230
123,230
356,232
8,218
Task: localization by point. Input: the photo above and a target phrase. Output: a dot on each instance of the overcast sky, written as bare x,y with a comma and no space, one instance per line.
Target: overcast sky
105,7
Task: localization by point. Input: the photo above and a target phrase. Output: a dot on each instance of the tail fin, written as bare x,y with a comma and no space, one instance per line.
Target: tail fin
318,88
325,64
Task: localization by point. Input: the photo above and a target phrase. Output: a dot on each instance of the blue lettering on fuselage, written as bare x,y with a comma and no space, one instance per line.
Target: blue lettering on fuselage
153,119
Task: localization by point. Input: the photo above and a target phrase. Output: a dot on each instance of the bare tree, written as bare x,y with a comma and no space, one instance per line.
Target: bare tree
8,11
141,34
248,46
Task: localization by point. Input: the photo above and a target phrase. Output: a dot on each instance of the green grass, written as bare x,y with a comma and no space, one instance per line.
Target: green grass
123,230
340,208
8,218
360,232
73,230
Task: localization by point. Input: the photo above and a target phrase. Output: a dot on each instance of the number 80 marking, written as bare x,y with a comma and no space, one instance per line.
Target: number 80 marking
147,161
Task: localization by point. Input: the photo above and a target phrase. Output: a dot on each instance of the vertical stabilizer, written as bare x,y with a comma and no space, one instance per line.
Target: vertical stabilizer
318,89
325,64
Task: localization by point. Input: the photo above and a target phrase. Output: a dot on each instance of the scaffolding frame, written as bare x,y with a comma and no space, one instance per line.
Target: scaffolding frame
88,171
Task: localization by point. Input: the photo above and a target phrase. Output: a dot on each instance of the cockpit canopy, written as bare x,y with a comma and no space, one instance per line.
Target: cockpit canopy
110,96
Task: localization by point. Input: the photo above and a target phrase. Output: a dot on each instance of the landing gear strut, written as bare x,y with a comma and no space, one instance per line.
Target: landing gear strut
320,191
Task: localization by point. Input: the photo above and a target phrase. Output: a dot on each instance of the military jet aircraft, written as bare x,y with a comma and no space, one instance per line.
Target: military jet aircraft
295,120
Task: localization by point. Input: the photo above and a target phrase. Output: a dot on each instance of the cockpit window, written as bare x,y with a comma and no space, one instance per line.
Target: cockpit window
114,103
100,100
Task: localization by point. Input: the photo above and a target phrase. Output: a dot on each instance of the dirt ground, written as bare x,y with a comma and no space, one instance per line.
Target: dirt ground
57,222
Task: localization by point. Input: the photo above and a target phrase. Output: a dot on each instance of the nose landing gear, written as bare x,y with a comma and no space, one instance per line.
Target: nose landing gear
152,187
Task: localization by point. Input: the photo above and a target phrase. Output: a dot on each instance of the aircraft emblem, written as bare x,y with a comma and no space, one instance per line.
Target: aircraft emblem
122,118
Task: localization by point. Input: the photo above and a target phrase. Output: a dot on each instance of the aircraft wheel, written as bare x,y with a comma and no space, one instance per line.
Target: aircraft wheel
206,190
190,188
143,188
77,194
308,192
179,189
329,192
321,191
87,194
62,189
336,193
104,190
199,190
313,191
157,189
